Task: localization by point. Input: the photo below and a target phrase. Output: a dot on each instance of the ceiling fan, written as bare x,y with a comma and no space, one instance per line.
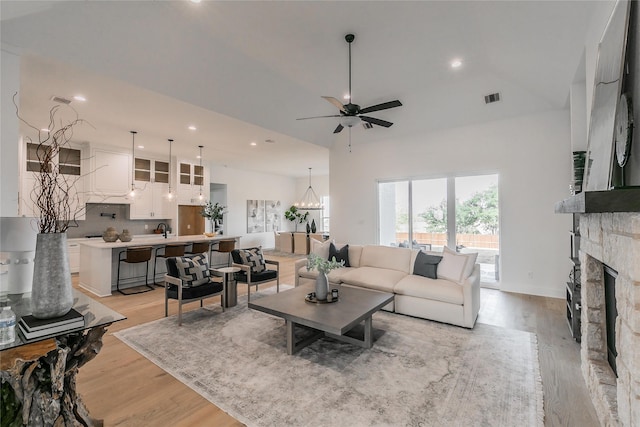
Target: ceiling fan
351,114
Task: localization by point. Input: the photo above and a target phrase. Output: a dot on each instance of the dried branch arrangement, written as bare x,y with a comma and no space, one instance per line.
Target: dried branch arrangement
56,202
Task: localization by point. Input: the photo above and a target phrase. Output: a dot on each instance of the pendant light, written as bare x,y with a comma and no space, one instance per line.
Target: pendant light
202,172
310,200
170,194
132,193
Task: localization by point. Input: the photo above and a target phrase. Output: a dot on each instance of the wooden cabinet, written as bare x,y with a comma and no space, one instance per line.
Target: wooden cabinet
73,249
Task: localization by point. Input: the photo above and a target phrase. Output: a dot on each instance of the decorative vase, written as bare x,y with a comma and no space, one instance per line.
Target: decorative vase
110,235
313,226
322,287
51,293
125,236
308,228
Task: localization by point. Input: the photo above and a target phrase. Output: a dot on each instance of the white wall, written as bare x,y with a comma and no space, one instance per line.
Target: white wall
245,185
531,154
10,143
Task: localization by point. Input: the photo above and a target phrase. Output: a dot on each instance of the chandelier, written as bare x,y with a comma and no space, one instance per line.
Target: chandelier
310,200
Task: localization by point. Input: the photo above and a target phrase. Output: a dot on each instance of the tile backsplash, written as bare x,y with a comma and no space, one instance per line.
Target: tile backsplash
100,216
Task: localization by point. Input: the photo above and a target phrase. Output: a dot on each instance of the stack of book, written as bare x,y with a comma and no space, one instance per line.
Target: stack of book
31,328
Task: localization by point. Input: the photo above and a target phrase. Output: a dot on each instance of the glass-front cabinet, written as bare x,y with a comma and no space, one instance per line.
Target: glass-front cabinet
152,188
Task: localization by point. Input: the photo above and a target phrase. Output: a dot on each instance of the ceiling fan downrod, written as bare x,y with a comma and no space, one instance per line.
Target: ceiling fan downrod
350,38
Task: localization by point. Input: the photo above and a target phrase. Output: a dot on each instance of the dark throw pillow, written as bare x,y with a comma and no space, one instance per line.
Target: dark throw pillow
426,265
341,255
254,258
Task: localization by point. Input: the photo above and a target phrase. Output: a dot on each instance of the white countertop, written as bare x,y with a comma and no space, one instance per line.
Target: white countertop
152,240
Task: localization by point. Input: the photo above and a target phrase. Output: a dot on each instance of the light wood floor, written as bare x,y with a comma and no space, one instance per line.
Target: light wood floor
125,389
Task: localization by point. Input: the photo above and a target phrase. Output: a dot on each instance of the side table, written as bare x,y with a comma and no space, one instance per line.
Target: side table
231,295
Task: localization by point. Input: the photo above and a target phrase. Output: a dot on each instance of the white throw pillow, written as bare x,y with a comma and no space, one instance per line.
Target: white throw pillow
456,266
320,248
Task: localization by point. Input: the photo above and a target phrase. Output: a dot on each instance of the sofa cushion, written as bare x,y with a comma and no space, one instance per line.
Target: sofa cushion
386,257
320,248
456,266
335,276
434,289
341,254
380,279
426,265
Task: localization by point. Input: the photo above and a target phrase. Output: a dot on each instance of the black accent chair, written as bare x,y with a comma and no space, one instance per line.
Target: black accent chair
174,289
254,279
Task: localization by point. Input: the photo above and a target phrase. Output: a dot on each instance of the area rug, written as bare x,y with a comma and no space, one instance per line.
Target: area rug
418,373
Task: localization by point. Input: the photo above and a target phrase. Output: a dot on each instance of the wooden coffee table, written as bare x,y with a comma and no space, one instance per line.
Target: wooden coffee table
334,320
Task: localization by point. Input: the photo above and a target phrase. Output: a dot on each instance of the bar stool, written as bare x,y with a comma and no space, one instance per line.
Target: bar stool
170,250
203,247
135,255
225,246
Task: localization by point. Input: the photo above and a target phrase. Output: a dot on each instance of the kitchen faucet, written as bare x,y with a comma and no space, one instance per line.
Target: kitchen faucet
164,228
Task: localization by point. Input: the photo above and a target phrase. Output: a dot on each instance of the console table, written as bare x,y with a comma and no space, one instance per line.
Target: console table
39,376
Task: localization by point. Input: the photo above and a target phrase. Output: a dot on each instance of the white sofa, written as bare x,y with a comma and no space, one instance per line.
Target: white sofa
390,269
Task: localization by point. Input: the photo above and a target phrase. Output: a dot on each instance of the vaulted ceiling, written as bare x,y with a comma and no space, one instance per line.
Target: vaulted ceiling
244,71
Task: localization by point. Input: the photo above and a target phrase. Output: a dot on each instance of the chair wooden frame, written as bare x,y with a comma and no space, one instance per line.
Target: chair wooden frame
247,270
178,282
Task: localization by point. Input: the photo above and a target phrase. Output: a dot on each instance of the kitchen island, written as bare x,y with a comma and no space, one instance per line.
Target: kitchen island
99,261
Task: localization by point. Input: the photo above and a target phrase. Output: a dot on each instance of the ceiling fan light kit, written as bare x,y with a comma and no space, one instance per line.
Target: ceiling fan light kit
350,113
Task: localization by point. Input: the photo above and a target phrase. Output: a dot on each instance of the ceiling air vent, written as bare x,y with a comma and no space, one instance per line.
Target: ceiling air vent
491,98
61,100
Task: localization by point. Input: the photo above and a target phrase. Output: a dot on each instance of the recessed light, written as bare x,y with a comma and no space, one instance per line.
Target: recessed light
80,98
44,130
456,63
346,96
141,146
192,127
253,144
195,1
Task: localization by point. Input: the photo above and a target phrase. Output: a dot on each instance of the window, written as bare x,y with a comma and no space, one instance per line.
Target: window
325,213
429,214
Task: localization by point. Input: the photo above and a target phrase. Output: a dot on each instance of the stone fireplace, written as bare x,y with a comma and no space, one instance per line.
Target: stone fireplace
613,240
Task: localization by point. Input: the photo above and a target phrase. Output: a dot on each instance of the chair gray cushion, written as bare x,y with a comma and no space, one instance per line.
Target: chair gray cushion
193,271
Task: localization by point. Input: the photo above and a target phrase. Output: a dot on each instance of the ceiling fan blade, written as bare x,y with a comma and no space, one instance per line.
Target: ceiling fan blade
375,121
338,129
335,102
383,106
318,117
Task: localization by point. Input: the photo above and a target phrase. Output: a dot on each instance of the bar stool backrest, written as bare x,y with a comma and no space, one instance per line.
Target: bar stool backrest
200,247
174,250
138,254
226,245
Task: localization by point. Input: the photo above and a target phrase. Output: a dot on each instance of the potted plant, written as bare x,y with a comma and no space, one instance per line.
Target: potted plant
324,266
56,205
294,215
214,212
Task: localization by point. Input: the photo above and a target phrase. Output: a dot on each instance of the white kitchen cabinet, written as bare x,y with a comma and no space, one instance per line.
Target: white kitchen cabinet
70,168
192,181
111,176
150,201
73,249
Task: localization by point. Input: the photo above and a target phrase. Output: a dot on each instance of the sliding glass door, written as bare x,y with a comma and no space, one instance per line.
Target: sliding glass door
429,214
